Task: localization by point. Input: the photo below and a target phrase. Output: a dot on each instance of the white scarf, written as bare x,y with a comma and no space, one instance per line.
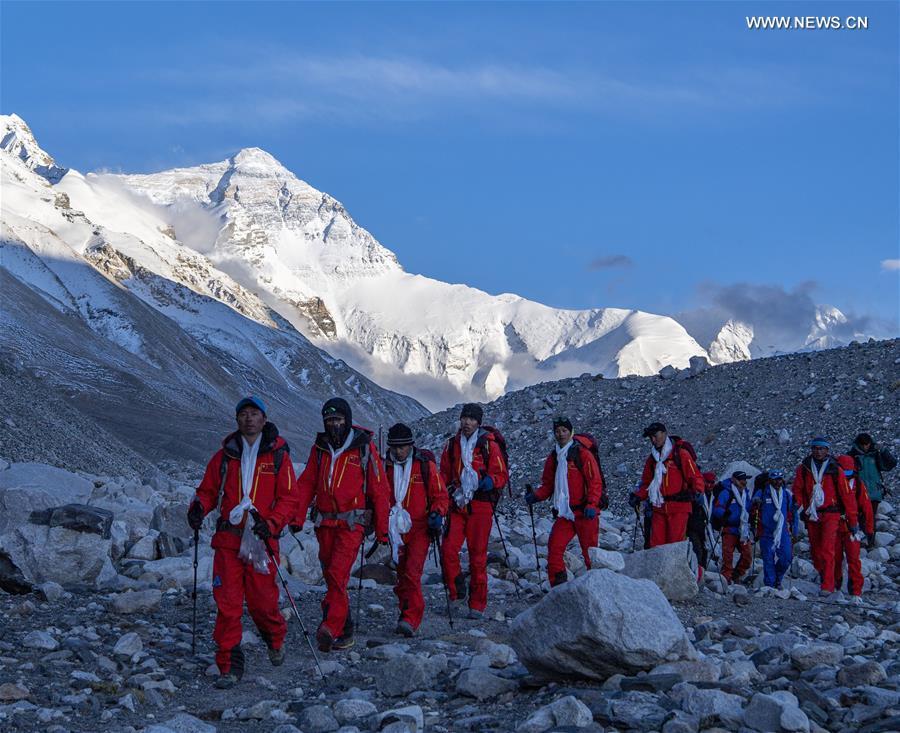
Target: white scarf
561,484
741,496
399,521
336,453
468,480
777,498
653,491
248,471
818,493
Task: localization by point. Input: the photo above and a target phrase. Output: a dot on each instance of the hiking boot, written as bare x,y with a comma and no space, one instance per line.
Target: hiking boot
343,642
227,681
276,656
404,628
475,615
325,639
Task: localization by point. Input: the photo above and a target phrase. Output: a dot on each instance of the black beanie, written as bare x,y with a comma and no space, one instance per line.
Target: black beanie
562,421
399,435
337,406
470,409
653,428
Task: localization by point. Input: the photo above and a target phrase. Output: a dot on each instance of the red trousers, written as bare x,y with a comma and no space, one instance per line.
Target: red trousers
234,581
669,528
587,531
475,530
845,545
338,549
730,543
410,564
823,538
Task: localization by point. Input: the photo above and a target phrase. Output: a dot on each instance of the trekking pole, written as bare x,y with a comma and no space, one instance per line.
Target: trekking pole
362,562
637,519
537,561
505,551
194,593
438,560
290,597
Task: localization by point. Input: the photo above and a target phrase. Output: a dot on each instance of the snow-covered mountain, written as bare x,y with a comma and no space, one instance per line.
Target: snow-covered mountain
302,253
103,304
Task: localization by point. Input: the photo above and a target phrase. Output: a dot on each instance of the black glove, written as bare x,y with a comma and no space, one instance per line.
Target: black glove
634,501
435,524
195,515
530,496
590,512
261,527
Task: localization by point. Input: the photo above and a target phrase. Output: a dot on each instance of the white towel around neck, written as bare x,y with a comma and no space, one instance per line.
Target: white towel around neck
561,483
744,527
468,480
777,499
654,490
818,493
399,521
336,453
248,470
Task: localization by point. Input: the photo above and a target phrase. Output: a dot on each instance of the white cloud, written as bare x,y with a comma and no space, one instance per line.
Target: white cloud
890,265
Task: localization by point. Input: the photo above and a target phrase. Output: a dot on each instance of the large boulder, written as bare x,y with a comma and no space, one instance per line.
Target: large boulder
62,487
598,625
669,566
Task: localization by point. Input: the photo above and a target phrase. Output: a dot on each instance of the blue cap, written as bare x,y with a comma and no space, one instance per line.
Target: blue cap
776,473
849,473
819,442
251,401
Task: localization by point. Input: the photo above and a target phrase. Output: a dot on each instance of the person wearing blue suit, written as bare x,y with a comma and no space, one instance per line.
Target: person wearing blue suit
777,521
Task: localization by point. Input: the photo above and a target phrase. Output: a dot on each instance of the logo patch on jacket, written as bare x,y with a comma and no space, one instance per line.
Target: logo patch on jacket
217,582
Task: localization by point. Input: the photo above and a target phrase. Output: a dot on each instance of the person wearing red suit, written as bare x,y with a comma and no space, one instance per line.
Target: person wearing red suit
669,481
345,478
419,503
823,494
848,543
474,472
576,487
252,472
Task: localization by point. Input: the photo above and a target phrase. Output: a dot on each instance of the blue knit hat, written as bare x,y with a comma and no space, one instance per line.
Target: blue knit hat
819,442
251,401
776,473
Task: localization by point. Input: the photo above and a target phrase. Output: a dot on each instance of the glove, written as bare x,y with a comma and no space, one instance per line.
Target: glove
486,484
590,512
530,497
856,535
261,527
634,501
195,515
435,524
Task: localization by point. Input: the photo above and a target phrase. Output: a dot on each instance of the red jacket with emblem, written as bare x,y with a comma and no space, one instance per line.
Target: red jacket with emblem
275,497
346,488
865,513
838,495
585,486
487,460
420,499
678,484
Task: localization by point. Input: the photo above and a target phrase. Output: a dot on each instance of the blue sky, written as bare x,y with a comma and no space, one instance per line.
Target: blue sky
648,155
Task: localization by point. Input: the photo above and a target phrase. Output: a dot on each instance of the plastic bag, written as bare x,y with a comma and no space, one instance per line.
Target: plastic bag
253,550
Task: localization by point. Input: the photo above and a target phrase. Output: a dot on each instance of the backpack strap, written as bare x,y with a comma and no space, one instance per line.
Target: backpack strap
223,473
425,470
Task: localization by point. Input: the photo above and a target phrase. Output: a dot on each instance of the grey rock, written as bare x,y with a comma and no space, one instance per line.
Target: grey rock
40,640
128,645
317,719
50,591
134,601
403,675
637,710
351,710
483,685
567,711
604,623
411,714
698,365
182,723
864,673
668,566
807,656
709,705
499,655
606,559
76,517
681,722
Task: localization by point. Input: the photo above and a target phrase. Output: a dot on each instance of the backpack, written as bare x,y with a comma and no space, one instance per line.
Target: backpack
679,444
718,523
586,440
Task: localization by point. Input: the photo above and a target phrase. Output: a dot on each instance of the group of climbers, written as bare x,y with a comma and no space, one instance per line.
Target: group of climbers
411,502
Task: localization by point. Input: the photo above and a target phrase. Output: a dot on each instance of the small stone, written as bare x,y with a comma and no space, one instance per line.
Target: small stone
807,656
566,712
317,719
182,723
40,640
403,675
857,675
11,692
411,713
134,601
350,710
608,559
483,685
49,591
128,645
